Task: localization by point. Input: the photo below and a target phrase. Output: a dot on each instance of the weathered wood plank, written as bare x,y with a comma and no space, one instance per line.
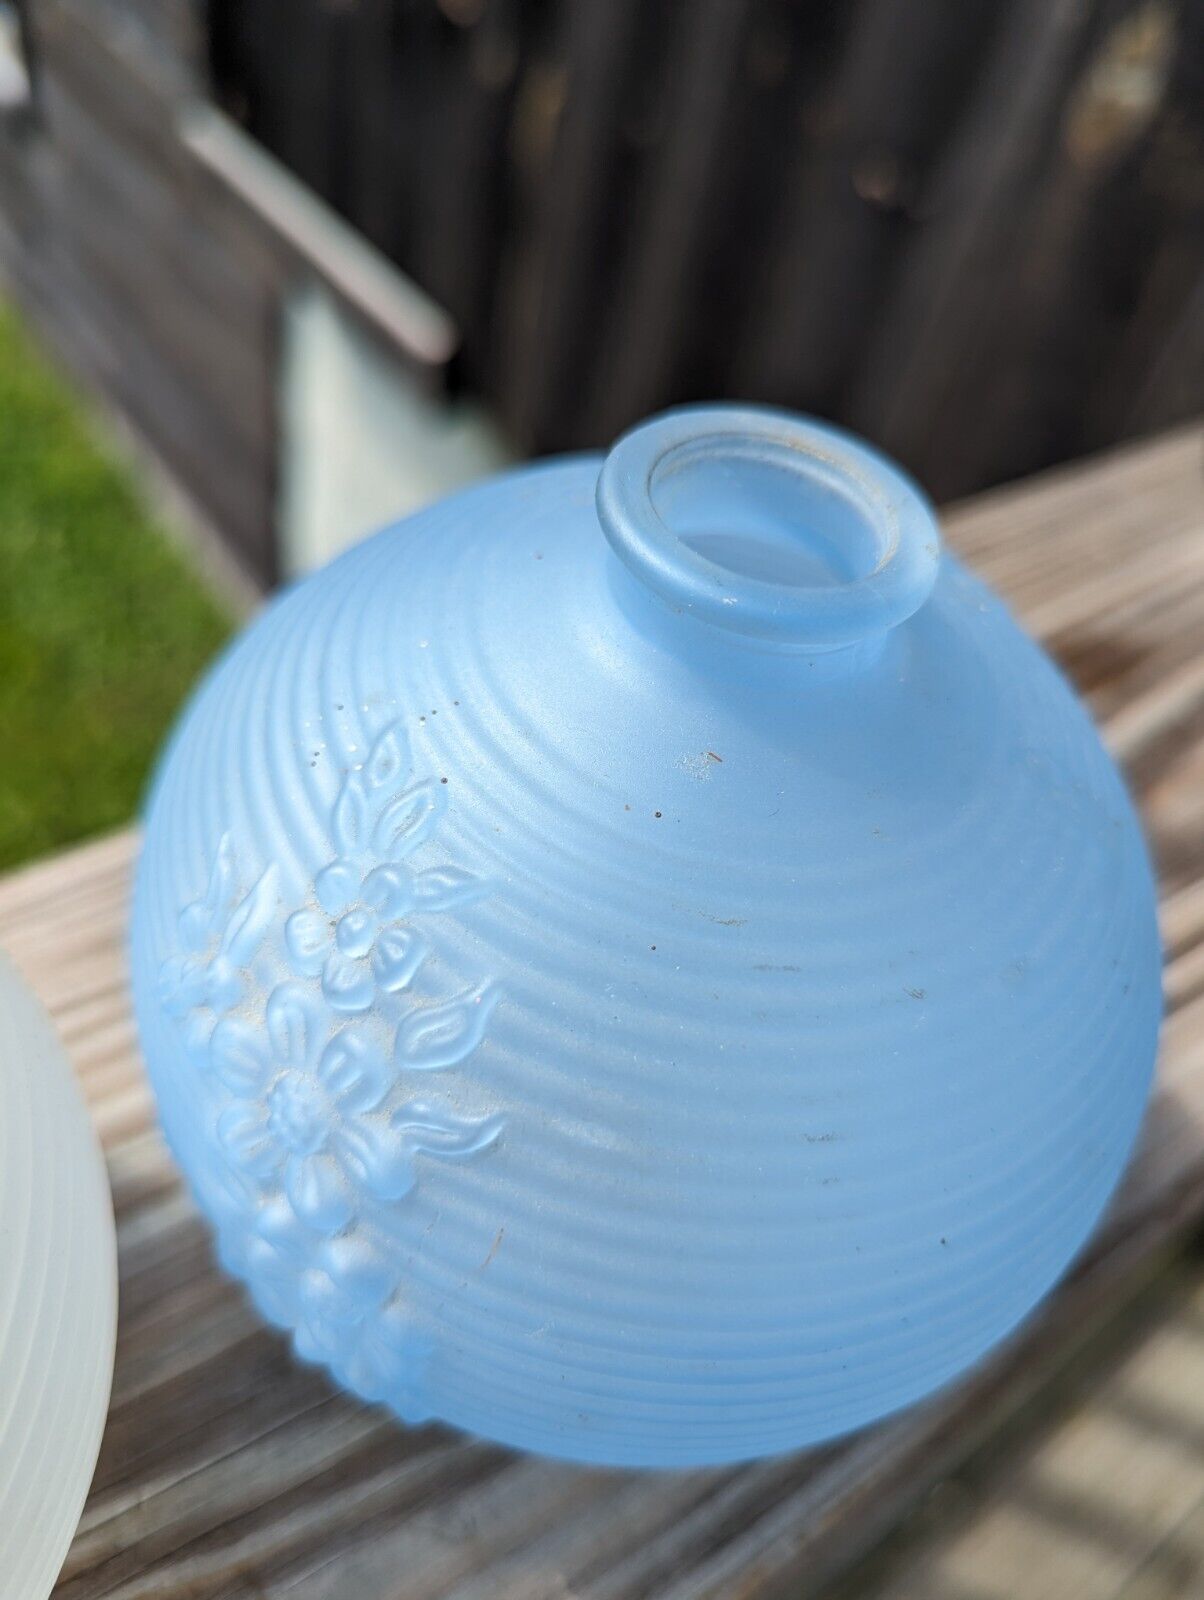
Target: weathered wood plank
230,1471
1105,1502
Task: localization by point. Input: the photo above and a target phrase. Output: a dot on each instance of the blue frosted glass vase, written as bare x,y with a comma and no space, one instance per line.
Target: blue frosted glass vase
645,960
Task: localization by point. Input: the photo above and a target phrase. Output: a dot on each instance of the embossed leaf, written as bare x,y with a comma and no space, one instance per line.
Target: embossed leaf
251,919
440,1133
441,1035
292,1024
397,956
242,1130
387,767
318,1192
407,821
221,879
237,1057
336,886
353,1073
307,935
349,820
444,887
347,983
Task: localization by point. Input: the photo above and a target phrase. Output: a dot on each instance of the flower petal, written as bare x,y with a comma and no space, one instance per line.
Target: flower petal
182,985
237,1057
336,886
223,984
307,935
408,820
376,1156
319,1193
358,1268
242,1130
442,1035
271,1300
293,1024
276,1221
390,1359
389,891
354,1073
270,1277
311,1342
326,1321
396,957
355,931
347,984
325,1301
198,1030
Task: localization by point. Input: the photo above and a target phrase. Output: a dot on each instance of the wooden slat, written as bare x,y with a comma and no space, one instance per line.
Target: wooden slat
229,1471
1106,1501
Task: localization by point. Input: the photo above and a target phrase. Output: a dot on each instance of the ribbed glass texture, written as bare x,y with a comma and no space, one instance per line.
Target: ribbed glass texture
58,1297
646,961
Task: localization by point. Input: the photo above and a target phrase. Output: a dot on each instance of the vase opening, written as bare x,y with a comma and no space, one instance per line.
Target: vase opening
769,526
772,513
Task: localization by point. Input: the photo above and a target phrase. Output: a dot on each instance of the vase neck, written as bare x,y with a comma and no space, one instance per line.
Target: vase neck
787,534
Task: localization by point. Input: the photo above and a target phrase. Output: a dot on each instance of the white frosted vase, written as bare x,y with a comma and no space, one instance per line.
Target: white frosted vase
58,1297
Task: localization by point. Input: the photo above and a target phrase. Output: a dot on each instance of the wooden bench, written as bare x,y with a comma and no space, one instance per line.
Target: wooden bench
230,1471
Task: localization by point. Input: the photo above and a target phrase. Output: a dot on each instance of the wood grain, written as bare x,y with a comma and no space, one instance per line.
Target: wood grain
229,1471
1106,1498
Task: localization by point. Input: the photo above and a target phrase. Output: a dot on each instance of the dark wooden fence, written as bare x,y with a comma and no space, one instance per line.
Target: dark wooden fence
973,229
140,233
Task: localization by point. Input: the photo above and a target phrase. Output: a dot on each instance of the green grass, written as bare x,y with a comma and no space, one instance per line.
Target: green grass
103,625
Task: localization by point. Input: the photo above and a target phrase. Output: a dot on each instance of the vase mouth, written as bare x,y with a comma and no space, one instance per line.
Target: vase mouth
769,525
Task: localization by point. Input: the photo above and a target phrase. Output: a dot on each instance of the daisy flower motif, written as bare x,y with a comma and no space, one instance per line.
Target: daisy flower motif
357,938
307,1115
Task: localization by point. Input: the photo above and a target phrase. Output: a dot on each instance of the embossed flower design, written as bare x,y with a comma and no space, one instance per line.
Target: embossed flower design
388,1359
308,1112
301,1107
356,938
320,1295
356,941
289,1017
221,934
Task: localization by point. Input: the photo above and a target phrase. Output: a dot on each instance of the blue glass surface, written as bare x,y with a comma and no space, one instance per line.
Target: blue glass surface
645,960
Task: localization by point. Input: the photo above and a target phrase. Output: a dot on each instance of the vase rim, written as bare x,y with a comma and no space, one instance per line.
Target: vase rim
881,569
